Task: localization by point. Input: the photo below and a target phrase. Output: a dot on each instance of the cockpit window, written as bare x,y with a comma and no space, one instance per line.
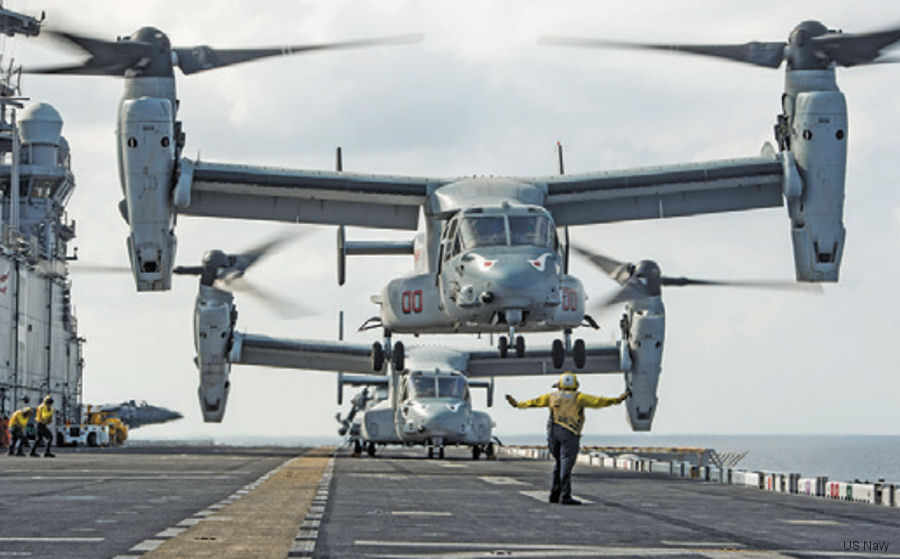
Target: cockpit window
423,387
533,230
482,231
451,387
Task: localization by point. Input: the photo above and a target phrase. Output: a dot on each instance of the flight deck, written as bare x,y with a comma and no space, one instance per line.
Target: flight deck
196,501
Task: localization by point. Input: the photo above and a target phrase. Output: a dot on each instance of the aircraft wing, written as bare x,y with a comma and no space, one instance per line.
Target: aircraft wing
300,196
254,349
599,359
667,191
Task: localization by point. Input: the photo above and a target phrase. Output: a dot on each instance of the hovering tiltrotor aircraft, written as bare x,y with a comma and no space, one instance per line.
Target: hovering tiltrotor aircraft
472,273
150,138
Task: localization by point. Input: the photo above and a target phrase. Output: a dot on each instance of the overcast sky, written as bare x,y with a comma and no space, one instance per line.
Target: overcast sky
478,96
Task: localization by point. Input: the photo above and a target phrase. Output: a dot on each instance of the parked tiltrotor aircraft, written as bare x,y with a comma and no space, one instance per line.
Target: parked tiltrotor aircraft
492,253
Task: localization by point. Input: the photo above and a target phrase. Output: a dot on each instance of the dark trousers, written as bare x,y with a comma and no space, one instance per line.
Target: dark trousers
18,436
564,445
43,432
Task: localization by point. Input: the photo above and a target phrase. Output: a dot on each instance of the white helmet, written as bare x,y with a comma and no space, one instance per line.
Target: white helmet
567,381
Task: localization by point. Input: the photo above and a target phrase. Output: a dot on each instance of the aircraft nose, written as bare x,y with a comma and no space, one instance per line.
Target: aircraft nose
445,419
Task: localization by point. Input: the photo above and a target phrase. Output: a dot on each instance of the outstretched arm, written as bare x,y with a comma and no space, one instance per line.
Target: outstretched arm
539,402
590,401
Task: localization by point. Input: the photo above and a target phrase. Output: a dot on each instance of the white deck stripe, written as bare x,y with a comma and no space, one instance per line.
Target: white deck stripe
543,494
51,540
551,550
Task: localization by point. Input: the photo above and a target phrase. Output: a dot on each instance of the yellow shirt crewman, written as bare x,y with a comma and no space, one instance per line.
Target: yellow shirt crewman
44,418
17,424
564,429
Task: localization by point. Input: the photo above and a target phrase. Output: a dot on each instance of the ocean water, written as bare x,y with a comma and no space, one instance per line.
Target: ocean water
840,457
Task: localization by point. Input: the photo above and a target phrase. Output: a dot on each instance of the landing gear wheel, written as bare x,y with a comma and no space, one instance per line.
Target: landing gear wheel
476,452
440,453
357,448
503,346
398,356
489,451
430,452
558,353
578,354
520,346
377,356
370,449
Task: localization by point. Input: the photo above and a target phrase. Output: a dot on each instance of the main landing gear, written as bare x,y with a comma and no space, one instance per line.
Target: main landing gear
395,352
560,349
487,449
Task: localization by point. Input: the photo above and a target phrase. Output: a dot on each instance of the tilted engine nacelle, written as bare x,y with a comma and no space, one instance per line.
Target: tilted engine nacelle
641,349
147,162
815,168
214,319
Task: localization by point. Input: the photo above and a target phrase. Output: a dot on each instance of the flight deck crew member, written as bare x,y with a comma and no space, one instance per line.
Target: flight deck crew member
44,418
17,424
564,429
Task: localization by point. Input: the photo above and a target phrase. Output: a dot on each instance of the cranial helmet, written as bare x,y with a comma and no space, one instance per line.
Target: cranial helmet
568,381
48,400
27,410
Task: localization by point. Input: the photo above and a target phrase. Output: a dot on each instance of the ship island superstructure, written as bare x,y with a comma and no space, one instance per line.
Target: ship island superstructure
40,349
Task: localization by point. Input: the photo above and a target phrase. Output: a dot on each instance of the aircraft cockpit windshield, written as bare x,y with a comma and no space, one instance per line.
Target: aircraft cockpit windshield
438,387
533,230
499,230
451,387
424,387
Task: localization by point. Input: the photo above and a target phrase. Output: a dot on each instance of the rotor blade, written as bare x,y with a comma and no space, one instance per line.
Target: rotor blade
631,290
282,305
188,270
786,285
619,271
769,55
856,48
250,257
99,269
199,58
107,58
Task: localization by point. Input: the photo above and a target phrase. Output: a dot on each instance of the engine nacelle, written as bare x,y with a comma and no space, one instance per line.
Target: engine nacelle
147,162
645,327
214,319
819,147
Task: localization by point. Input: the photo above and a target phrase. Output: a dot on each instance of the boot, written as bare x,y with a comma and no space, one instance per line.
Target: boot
49,454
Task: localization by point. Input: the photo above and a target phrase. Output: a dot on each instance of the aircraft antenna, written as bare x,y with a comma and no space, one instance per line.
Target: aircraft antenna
559,153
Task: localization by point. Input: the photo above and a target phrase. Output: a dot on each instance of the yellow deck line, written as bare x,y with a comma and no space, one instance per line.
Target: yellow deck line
261,524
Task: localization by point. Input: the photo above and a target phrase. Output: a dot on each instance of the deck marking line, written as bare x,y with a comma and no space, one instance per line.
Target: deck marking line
502,480
52,539
812,522
702,544
542,495
421,513
170,532
147,545
555,550
305,540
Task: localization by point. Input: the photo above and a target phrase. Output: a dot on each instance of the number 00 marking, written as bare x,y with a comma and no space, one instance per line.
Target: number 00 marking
411,301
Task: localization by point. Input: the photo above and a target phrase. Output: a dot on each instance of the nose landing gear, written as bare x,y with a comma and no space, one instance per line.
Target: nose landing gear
519,346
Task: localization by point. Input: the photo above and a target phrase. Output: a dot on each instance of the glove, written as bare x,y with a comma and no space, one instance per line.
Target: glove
512,401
